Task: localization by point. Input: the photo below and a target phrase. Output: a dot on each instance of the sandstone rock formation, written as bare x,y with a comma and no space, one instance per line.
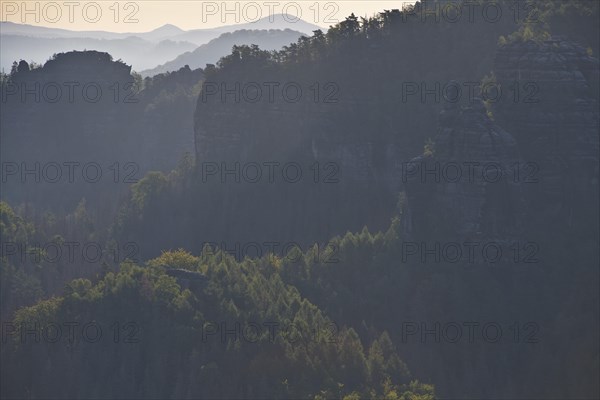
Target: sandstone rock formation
555,122
467,188
544,138
347,181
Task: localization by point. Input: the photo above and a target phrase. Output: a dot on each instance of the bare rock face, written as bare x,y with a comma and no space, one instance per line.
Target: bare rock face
345,180
533,168
467,187
555,121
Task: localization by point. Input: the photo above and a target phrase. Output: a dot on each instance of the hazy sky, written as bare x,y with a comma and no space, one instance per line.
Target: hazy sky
145,15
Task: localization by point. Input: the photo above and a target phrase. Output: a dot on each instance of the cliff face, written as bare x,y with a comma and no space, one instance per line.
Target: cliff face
497,169
302,132
544,140
346,181
557,128
468,187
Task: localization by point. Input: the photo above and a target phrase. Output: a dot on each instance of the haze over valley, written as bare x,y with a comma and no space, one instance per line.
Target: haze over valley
402,204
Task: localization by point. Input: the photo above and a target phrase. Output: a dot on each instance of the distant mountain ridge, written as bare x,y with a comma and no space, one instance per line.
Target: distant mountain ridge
167,31
209,53
142,50
133,50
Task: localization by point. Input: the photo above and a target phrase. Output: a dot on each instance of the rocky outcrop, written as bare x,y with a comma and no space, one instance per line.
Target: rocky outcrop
187,279
68,111
543,140
555,121
346,181
467,187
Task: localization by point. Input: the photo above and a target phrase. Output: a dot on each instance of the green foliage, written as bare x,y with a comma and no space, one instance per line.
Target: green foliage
347,315
149,187
176,259
308,359
544,18
12,227
429,148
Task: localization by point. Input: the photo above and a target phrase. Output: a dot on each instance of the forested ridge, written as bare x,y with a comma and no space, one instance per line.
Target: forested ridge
208,286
